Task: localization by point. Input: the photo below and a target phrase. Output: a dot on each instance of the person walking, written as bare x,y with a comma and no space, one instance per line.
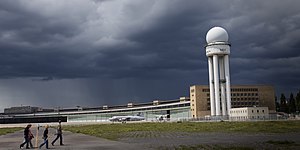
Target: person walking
58,134
45,137
26,137
30,138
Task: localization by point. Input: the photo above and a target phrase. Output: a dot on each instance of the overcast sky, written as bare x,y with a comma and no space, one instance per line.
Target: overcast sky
64,53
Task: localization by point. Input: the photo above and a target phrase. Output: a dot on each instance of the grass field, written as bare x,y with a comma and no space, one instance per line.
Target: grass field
288,145
4,131
115,131
210,147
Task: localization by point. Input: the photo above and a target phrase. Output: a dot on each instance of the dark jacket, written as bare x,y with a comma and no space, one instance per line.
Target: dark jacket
26,132
45,133
59,129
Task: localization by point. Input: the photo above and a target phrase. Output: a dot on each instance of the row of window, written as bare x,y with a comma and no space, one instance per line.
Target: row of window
208,107
244,98
244,94
205,90
238,94
244,89
246,111
235,90
238,103
245,103
240,99
239,111
246,117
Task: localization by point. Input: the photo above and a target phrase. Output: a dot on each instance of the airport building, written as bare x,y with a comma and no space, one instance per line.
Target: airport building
249,113
241,96
22,110
174,110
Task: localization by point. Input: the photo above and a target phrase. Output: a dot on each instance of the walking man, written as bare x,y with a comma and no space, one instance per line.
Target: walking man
26,137
58,134
30,138
45,137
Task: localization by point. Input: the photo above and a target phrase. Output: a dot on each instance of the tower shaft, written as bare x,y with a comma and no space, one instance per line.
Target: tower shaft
227,78
217,84
211,87
219,78
223,87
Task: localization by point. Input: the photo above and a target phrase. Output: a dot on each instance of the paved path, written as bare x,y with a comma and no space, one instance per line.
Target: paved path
71,141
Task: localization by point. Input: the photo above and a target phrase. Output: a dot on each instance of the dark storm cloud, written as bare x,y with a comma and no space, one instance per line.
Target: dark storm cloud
149,40
265,43
54,41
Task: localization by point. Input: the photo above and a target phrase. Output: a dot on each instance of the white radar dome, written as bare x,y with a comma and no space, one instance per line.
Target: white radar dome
216,34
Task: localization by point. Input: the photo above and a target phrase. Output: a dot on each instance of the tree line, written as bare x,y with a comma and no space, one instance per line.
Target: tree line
289,105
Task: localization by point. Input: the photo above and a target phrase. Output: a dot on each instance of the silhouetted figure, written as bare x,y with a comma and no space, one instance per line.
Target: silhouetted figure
45,137
58,134
30,138
26,137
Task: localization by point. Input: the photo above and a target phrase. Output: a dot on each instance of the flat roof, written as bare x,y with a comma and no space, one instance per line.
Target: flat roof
112,109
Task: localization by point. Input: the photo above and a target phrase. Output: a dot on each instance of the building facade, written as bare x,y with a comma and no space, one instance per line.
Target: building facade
249,113
241,96
175,110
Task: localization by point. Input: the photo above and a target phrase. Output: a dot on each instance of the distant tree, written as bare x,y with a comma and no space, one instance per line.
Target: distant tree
298,101
292,104
283,105
277,104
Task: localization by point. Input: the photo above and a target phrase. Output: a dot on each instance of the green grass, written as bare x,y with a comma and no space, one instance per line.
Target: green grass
114,131
4,131
211,147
